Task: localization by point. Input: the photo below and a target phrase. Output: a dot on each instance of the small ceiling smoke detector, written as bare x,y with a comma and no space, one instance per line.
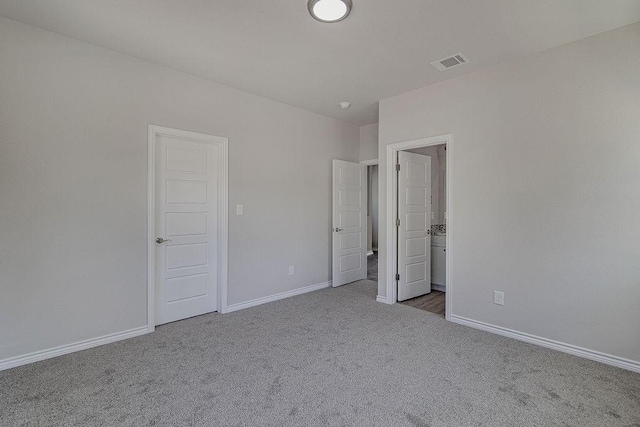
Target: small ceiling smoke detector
344,105
329,10
450,62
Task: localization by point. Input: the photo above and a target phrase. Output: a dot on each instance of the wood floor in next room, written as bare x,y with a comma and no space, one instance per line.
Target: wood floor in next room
433,302
372,267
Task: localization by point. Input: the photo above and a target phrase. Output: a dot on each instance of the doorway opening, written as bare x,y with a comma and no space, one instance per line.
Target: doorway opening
187,225
434,300
352,222
372,220
418,223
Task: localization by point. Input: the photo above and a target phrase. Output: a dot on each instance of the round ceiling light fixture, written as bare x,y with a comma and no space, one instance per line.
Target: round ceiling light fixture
329,10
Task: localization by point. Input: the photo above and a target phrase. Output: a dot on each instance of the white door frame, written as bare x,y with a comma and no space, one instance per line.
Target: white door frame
392,211
223,192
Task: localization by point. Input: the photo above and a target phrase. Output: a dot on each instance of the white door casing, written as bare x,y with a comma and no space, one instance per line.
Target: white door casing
414,230
349,259
188,234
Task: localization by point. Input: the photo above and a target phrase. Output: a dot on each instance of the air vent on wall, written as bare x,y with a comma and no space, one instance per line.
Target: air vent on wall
450,62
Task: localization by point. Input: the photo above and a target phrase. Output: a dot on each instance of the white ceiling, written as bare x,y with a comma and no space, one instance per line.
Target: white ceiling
275,49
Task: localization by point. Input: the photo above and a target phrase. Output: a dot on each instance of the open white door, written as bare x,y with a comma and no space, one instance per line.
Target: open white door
349,231
414,225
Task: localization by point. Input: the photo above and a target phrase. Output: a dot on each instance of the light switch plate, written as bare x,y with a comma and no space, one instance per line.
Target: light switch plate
239,209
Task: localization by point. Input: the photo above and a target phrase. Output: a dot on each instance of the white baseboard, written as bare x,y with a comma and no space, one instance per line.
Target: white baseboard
441,288
276,297
381,299
369,253
37,356
607,359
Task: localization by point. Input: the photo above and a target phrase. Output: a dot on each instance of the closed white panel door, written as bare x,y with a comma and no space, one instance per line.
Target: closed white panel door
414,229
186,228
349,222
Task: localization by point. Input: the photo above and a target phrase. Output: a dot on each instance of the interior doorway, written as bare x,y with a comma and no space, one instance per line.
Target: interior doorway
187,224
373,220
433,300
349,218
419,224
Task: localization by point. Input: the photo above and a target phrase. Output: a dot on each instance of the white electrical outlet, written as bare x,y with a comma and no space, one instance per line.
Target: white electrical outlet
433,215
291,270
498,297
239,209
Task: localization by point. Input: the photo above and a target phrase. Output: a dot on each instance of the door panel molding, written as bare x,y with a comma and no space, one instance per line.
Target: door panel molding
154,132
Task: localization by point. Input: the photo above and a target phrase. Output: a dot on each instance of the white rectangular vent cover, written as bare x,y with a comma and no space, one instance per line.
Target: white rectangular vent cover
450,62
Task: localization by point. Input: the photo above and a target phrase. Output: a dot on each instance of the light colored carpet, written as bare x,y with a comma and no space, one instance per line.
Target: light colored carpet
332,357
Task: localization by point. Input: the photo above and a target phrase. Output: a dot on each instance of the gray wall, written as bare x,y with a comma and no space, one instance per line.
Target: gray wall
369,151
73,186
369,142
546,189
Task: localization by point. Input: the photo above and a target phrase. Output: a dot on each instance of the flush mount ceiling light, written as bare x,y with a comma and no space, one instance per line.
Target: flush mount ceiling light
329,10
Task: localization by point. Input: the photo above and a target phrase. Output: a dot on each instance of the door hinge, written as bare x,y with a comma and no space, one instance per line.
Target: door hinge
398,222
397,277
398,167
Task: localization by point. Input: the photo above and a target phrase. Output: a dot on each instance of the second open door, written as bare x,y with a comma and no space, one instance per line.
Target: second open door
349,260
